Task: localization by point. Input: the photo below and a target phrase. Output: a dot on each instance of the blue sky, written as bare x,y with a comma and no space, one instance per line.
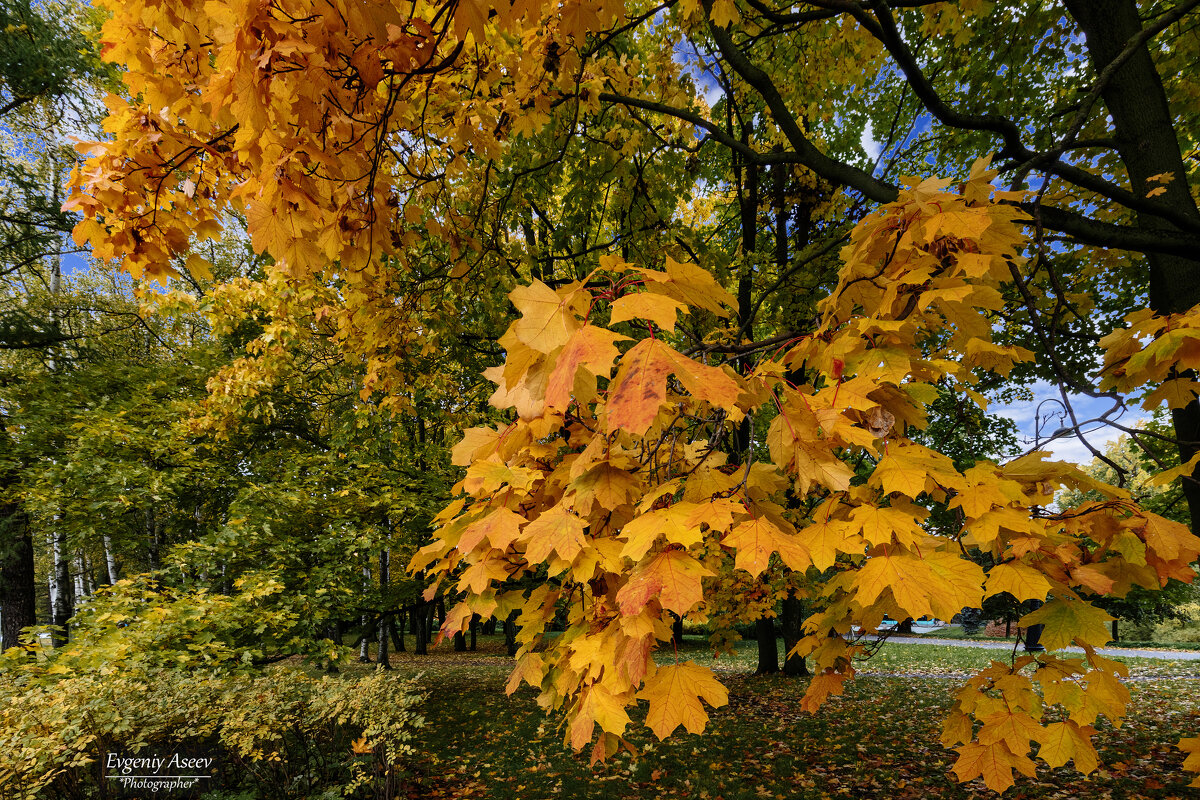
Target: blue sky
1067,448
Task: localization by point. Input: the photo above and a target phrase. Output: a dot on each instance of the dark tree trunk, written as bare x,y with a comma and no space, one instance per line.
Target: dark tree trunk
510,633
1146,140
792,623
421,616
1115,636
768,648
460,642
385,622
430,624
905,626
474,630
17,579
677,631
397,631
412,618
489,627
382,655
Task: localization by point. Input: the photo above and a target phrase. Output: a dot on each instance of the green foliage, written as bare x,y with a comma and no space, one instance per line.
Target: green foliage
138,623
286,734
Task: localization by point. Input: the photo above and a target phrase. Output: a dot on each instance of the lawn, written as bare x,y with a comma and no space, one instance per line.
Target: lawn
878,741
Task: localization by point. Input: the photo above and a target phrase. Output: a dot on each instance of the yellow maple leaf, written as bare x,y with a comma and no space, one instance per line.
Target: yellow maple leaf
548,317
1018,579
909,578
554,531
599,706
499,527
479,576
1068,741
605,485
529,669
1191,746
824,540
679,524
959,583
657,308
1015,728
885,525
1067,619
756,539
993,762
672,577
828,684
675,692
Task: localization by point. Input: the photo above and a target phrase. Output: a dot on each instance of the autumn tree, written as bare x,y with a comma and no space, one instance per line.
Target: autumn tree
370,182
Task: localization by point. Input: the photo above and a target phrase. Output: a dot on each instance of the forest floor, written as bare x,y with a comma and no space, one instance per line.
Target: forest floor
879,740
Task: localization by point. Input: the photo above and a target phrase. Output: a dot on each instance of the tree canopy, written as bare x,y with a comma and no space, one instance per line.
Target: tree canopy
752,251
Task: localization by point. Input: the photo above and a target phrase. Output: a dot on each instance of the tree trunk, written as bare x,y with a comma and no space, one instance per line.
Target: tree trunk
81,577
64,603
364,645
768,648
677,631
385,621
396,628
510,633
489,627
17,580
110,559
792,623
1116,637
905,625
460,642
1146,140
421,617
430,625
474,630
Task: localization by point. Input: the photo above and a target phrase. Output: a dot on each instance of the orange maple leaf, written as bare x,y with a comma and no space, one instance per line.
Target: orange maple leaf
639,388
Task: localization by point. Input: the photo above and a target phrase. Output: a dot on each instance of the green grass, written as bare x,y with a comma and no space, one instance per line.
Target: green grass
878,741
956,632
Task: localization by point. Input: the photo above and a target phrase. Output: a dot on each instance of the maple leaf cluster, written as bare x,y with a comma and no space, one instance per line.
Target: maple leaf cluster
338,176
611,493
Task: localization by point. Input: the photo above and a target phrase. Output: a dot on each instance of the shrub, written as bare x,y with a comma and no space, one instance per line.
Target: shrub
1184,629
285,733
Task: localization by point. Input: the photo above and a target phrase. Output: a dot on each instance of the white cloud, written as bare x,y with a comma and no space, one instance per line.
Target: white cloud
873,148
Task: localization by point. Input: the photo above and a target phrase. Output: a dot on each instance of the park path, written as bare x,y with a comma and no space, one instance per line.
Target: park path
1171,655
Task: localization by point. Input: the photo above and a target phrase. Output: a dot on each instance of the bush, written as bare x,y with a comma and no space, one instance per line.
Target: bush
1184,629
285,734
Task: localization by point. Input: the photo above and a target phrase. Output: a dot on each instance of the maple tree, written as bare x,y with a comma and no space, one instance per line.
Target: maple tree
631,474
383,157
